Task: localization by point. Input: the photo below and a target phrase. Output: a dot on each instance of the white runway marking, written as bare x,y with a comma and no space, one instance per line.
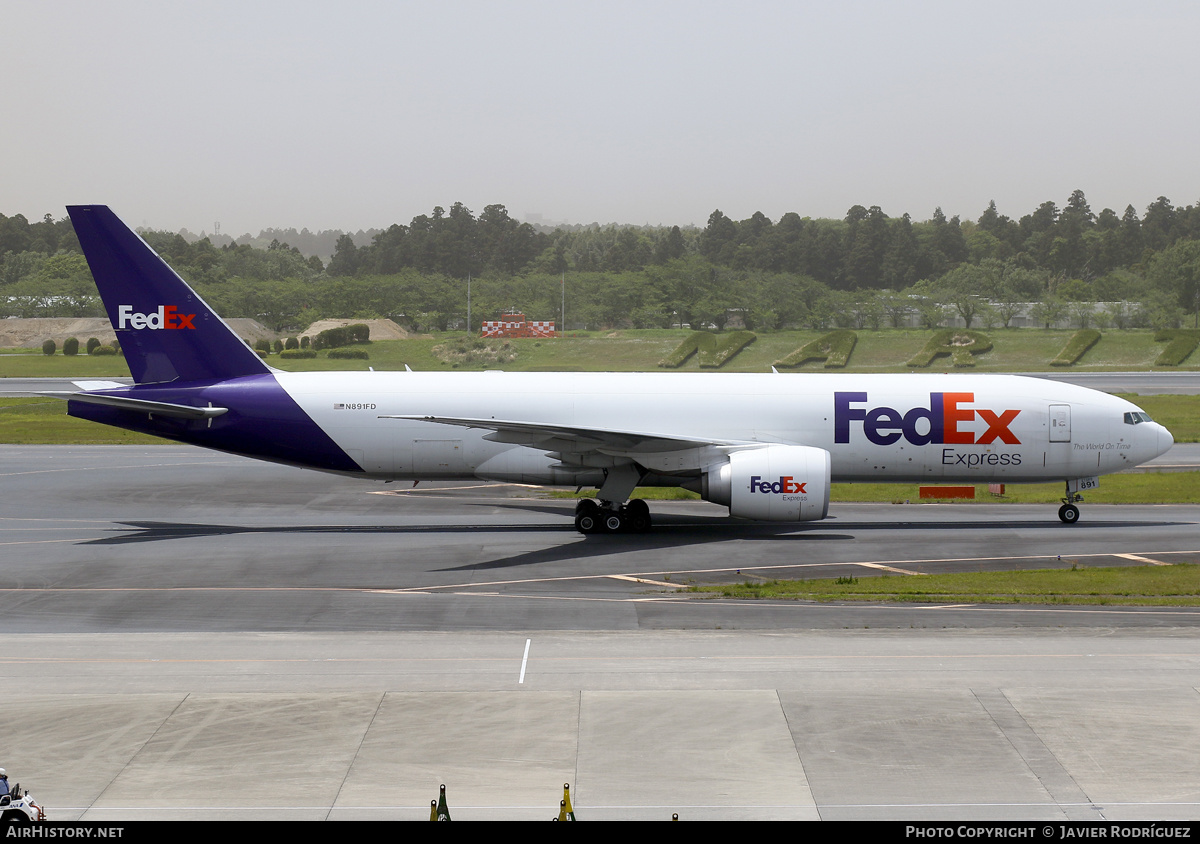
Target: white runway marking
883,567
664,584
1140,559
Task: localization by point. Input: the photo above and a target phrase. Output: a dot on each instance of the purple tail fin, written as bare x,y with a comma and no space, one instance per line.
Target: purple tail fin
167,332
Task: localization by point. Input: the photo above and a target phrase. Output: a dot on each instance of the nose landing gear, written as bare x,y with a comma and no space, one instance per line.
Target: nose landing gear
1069,512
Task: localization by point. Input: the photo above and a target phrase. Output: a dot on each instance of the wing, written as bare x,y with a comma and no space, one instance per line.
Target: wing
625,456
579,440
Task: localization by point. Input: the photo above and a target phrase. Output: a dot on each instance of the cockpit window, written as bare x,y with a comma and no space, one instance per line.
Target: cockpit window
1137,417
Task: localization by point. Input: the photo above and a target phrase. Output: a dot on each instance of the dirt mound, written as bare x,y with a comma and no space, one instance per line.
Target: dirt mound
252,329
381,329
32,332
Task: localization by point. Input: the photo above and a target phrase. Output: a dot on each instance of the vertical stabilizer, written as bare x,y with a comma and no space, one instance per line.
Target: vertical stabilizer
166,331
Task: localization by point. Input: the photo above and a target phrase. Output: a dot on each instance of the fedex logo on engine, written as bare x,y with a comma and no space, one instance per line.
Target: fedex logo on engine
167,316
942,422
786,484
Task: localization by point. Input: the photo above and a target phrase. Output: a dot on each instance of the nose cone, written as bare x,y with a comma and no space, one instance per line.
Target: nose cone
1165,440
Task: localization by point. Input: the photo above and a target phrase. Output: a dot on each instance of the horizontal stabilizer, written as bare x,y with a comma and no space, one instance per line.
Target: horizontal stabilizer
161,408
99,385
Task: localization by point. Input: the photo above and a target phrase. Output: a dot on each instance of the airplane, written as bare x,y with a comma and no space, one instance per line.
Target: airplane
766,446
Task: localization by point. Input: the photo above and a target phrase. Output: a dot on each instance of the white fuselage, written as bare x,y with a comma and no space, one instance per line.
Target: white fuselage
907,427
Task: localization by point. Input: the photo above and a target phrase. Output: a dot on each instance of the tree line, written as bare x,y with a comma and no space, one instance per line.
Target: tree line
867,270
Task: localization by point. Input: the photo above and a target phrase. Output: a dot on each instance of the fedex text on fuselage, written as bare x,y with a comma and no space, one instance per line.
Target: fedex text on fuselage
944,421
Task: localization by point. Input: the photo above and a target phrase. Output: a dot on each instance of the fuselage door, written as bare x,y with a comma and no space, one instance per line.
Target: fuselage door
1060,423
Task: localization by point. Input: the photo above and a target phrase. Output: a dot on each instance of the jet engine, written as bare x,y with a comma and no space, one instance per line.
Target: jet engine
774,483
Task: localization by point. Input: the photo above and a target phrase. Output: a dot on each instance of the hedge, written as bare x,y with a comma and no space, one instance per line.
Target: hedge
348,354
961,345
1181,342
346,335
1079,343
715,351
834,348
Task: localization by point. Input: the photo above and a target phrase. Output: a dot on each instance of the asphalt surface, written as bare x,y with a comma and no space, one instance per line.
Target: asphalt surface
331,649
1141,383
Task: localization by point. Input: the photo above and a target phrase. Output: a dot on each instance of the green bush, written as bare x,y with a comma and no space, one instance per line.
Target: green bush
291,343
103,351
1079,343
293,354
93,343
345,335
263,347
834,348
71,346
349,354
48,347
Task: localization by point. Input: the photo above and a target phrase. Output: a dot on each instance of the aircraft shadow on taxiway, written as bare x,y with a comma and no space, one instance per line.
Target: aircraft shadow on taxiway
669,532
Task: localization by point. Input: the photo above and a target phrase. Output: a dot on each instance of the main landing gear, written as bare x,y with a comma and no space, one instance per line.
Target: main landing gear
593,516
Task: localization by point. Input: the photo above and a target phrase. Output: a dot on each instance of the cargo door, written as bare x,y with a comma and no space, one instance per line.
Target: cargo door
438,458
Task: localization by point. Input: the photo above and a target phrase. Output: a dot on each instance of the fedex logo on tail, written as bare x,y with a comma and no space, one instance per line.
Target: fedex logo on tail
942,422
167,316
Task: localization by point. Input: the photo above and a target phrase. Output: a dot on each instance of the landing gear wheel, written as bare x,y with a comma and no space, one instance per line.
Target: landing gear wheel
637,516
1069,513
613,523
587,516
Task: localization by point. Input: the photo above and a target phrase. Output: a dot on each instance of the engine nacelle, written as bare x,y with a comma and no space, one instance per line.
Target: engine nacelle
774,483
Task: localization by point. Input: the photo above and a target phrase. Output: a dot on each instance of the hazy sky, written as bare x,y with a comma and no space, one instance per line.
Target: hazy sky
354,115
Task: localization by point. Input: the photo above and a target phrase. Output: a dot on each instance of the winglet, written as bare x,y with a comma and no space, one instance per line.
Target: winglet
166,331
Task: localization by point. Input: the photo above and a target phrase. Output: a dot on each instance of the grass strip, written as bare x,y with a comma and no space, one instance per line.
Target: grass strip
45,422
1151,586
1125,488
632,350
